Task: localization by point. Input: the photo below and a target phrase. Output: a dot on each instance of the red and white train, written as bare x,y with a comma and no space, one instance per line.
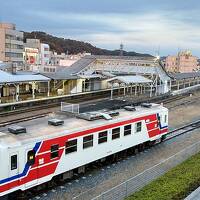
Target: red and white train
42,151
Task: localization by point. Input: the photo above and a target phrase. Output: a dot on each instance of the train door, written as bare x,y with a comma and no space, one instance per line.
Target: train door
14,167
32,176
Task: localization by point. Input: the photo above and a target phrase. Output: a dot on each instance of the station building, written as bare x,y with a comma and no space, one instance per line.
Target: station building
91,73
134,76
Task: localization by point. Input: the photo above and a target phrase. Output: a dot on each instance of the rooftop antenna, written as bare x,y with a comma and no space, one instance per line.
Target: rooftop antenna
158,53
121,49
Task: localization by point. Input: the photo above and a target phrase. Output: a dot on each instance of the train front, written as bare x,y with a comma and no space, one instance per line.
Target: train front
4,168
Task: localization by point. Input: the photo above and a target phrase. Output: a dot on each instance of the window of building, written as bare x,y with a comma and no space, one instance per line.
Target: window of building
31,157
115,133
54,151
87,141
165,118
13,162
138,127
14,55
127,130
13,37
71,146
103,137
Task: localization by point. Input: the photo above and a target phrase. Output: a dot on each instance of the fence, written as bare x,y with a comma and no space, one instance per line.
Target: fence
70,108
137,182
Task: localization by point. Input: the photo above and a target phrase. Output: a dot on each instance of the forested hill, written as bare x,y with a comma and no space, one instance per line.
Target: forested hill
62,45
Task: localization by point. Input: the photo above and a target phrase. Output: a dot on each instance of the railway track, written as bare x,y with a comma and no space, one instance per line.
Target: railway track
23,119
43,110
159,99
182,130
187,102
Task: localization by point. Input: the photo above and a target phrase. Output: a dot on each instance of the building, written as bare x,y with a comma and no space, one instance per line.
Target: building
45,54
182,63
33,43
31,56
64,59
11,44
43,50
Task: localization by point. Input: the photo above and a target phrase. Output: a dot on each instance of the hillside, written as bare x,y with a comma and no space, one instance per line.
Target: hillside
62,45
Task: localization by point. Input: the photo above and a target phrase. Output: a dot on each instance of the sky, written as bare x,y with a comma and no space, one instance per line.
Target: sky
146,26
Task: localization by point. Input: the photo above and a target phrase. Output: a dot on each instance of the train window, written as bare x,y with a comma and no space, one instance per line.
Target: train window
31,157
13,162
138,127
54,151
103,137
71,146
87,141
165,118
115,133
127,130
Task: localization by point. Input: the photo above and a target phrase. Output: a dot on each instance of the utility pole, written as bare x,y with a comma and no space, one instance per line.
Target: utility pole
121,49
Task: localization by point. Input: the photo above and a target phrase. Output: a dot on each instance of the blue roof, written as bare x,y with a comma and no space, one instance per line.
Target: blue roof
6,77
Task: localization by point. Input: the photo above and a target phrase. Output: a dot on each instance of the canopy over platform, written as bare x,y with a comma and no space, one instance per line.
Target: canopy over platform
7,78
129,80
16,79
189,75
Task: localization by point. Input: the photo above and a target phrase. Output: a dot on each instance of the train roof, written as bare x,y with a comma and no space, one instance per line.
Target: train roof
39,129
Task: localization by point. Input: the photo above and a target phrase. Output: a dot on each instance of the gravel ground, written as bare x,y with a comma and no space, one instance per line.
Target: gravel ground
95,181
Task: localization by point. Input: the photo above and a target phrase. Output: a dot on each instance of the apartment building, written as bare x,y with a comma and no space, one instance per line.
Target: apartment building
181,63
11,44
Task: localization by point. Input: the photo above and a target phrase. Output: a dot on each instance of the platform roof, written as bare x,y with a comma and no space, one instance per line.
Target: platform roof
180,76
129,79
6,77
90,76
69,73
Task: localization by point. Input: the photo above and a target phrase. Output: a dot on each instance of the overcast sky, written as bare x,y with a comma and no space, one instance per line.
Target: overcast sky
141,25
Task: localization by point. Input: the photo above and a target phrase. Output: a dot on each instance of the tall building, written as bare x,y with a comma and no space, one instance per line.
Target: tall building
45,54
11,44
182,63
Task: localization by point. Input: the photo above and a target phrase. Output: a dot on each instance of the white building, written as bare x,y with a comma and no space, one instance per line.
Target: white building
45,54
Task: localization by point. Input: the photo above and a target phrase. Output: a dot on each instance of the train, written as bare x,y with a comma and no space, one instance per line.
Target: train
32,153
